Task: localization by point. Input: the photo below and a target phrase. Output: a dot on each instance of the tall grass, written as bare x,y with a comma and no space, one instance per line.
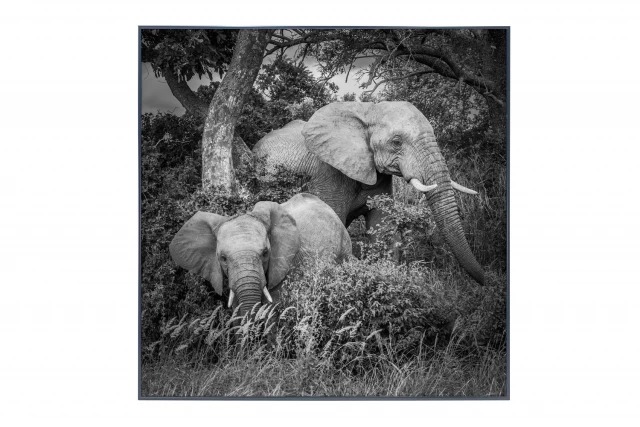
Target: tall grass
357,329
437,373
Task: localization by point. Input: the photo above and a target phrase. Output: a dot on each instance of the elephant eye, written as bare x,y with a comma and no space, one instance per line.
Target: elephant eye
223,258
265,252
397,141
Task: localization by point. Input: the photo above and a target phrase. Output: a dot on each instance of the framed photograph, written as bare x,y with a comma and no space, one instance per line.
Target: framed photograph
324,213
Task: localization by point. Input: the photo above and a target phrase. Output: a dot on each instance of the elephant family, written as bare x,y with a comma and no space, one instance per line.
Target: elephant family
256,250
350,150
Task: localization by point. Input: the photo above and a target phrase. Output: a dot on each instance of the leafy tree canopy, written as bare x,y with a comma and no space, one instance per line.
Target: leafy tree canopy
475,57
188,52
285,80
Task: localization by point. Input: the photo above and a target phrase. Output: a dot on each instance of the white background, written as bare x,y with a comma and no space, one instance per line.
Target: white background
69,200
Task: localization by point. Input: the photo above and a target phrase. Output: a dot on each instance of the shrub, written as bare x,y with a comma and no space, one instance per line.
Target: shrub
349,315
407,232
358,309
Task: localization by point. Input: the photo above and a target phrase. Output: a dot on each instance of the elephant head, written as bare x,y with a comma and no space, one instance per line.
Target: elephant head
362,139
242,249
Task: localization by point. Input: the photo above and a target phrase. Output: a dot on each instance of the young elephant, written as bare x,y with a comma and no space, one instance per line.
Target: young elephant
256,250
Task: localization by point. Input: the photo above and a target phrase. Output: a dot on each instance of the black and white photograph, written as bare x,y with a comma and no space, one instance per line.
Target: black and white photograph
319,214
323,212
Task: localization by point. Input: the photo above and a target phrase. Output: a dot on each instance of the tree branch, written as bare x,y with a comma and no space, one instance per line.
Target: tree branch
417,73
313,36
183,93
430,56
492,96
198,108
349,70
372,72
436,59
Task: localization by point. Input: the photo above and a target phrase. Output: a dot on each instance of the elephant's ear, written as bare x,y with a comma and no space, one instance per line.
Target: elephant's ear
283,236
337,134
194,247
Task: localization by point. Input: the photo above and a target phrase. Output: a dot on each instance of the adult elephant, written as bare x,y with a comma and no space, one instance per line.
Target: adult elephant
255,251
350,150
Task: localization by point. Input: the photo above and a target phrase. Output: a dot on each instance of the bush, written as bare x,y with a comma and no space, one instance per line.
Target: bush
407,232
363,308
360,308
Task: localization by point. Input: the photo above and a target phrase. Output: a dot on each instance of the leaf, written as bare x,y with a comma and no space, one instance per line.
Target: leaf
342,317
374,333
284,312
234,319
176,331
261,312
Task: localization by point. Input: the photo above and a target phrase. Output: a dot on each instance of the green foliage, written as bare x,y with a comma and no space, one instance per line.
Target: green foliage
188,52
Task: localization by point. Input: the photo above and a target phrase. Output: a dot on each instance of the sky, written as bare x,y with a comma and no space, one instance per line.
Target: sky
156,95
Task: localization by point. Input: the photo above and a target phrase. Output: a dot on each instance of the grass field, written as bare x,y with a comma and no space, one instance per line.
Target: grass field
436,373
359,329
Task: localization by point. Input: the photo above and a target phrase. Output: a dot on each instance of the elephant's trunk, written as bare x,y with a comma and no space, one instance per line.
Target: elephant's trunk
445,211
443,203
247,283
248,297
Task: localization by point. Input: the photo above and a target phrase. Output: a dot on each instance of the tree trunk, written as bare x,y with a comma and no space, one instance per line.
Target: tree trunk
217,138
494,67
183,93
241,154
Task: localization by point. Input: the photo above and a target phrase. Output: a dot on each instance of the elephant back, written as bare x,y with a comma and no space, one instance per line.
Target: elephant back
321,231
286,147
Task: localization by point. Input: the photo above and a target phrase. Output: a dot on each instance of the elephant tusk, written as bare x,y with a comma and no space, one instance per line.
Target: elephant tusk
462,188
230,298
266,294
421,187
